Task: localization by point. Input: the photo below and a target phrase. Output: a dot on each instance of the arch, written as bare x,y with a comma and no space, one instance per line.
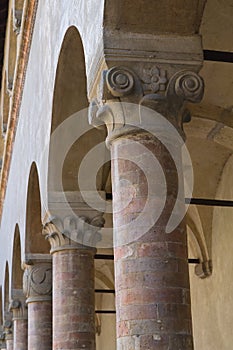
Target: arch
17,272
35,243
6,290
5,102
70,91
1,309
12,51
70,97
18,4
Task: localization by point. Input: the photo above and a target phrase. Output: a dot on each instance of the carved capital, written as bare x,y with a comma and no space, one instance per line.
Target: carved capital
148,87
8,329
2,339
19,309
73,232
37,282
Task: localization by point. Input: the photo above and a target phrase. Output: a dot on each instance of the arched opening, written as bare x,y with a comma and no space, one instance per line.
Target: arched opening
1,318
70,97
17,272
5,101
12,51
6,291
34,240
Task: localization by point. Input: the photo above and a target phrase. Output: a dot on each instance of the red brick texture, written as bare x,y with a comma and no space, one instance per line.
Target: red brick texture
73,299
151,272
40,325
20,334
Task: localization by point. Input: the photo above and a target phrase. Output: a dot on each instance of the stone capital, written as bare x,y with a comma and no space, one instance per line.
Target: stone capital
19,309
8,329
74,219
74,232
126,98
2,339
37,280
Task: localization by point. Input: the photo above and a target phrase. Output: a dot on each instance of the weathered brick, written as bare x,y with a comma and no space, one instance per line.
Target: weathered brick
73,300
151,271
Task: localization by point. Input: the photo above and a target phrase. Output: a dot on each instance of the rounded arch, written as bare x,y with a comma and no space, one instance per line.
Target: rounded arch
12,51
18,4
1,309
5,102
35,243
70,97
70,91
6,290
17,272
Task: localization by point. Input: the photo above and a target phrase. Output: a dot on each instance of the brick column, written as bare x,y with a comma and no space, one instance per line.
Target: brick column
73,287
20,320
38,291
151,267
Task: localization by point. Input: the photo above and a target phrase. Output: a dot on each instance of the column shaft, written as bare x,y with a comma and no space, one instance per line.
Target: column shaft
20,334
40,325
73,299
151,272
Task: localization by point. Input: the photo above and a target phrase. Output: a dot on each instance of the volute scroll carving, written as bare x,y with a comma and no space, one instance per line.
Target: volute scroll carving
149,88
120,81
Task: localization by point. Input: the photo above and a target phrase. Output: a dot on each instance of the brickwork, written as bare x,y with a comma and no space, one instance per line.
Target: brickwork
151,272
20,334
73,299
39,325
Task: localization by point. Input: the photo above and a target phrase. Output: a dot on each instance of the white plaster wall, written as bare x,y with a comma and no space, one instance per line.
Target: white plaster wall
52,21
212,298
